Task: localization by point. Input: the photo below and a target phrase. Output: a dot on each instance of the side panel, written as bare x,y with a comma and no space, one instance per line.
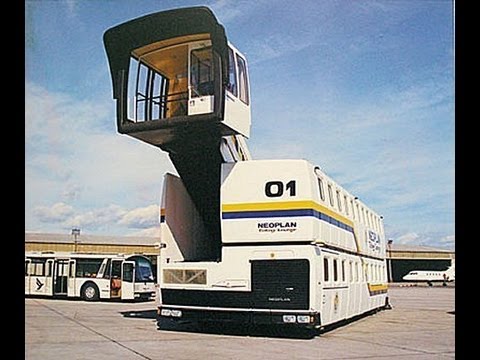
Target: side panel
182,228
267,201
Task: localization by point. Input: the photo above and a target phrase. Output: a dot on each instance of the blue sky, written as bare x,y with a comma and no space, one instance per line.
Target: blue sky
365,89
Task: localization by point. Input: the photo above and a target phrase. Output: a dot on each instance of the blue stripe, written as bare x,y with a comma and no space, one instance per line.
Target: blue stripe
267,214
286,213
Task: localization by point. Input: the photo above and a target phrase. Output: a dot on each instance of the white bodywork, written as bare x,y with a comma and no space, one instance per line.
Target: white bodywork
54,274
273,210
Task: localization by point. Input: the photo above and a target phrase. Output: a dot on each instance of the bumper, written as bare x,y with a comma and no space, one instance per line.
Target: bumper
145,296
305,319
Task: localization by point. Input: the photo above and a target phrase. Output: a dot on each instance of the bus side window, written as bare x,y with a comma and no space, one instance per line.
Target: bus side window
330,195
335,270
320,187
116,269
128,272
325,269
106,274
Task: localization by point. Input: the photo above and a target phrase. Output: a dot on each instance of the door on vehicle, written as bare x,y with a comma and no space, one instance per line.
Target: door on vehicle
116,279
60,277
72,264
128,277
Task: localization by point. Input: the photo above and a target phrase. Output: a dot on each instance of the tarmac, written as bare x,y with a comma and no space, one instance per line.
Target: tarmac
420,325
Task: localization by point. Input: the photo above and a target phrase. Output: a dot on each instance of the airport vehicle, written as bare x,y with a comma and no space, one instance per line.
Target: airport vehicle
431,276
251,241
89,276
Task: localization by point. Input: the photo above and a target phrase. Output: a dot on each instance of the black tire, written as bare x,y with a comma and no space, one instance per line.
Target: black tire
89,292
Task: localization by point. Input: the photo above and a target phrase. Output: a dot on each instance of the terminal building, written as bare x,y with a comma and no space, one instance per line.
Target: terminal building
400,258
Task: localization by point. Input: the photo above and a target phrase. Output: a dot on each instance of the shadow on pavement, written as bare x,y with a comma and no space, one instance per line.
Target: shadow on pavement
234,329
142,314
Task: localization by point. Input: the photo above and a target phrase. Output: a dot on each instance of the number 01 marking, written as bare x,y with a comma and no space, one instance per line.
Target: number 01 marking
277,188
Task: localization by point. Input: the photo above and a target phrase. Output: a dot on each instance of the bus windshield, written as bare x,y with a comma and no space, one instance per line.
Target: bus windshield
143,270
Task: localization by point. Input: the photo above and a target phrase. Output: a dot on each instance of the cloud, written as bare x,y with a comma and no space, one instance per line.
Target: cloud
57,213
148,232
448,241
226,10
275,46
408,238
110,218
74,156
141,218
97,218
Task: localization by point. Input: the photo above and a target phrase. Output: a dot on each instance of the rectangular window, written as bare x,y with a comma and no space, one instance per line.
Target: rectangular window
353,208
335,270
339,200
147,93
108,267
116,269
71,269
38,267
128,272
243,80
343,270
351,271
320,187
330,195
88,267
26,267
325,269
201,73
232,74
346,204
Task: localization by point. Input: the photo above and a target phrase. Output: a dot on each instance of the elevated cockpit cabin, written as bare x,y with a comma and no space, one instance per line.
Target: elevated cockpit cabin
176,77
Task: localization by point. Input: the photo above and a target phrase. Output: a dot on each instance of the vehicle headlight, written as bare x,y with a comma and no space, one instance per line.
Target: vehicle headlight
303,319
289,318
166,312
176,313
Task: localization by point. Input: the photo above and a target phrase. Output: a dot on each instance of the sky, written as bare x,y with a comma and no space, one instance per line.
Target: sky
364,89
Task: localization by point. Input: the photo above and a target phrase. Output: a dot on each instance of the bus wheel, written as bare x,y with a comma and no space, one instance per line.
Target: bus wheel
90,292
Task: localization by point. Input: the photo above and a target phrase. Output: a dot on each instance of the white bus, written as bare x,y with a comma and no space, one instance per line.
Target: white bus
297,249
89,276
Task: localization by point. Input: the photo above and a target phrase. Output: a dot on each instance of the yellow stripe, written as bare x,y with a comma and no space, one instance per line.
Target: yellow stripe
286,205
377,287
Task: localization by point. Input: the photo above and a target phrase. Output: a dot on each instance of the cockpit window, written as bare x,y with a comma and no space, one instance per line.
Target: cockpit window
232,74
201,72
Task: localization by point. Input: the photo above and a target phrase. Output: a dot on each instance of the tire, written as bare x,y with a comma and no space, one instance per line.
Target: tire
90,292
